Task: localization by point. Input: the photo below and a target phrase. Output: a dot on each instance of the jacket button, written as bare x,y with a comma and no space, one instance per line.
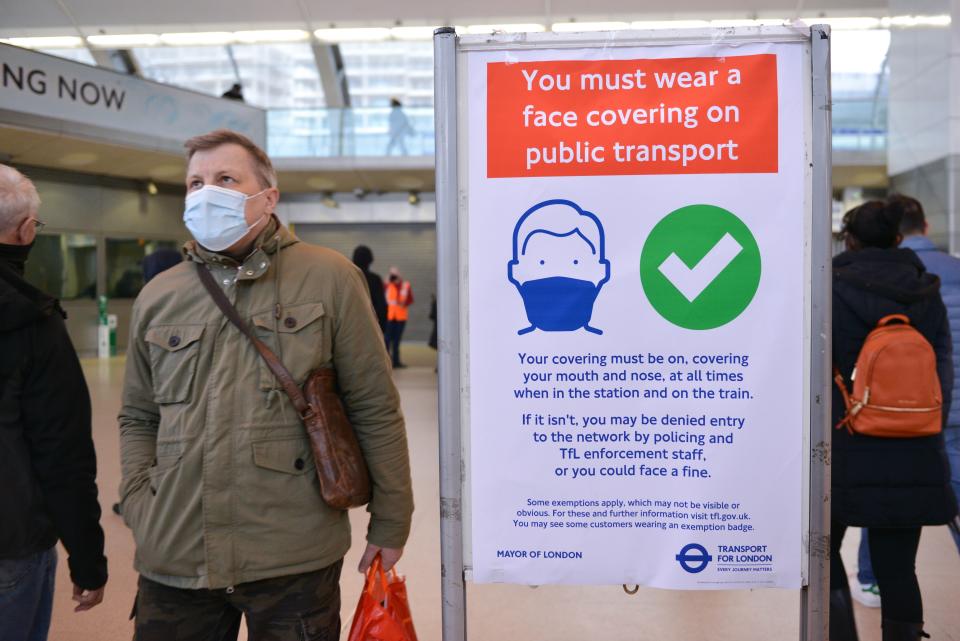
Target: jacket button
153,491
174,341
290,322
299,464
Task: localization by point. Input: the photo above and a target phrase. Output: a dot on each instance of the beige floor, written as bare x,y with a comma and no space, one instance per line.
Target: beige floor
499,612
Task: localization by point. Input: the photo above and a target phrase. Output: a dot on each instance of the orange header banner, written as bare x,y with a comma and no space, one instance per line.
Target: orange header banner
632,117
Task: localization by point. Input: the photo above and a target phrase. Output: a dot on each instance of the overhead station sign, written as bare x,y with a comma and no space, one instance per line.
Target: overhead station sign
636,227
43,91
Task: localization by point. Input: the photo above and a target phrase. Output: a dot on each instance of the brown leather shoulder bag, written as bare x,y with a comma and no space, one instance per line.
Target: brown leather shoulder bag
344,478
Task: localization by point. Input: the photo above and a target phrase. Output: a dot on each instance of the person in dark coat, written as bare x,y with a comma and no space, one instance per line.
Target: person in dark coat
363,258
48,465
892,486
914,228
234,93
159,262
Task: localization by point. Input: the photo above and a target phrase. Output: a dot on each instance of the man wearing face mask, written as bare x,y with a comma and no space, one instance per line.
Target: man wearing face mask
219,482
48,464
559,266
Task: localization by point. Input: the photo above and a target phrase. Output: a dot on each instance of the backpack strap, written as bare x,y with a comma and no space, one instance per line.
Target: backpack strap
852,409
893,318
299,401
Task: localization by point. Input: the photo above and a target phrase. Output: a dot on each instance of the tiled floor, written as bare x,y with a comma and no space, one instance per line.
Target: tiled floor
499,612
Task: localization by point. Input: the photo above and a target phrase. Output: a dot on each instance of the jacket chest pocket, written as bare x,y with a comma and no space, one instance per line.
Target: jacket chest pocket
304,341
173,361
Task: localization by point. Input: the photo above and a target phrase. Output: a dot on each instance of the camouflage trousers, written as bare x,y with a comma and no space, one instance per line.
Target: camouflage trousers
302,607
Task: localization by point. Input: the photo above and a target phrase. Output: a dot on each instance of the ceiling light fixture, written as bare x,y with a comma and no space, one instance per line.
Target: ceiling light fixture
572,27
669,24
917,21
48,42
124,41
412,33
271,36
197,39
480,29
846,24
78,159
765,22
359,34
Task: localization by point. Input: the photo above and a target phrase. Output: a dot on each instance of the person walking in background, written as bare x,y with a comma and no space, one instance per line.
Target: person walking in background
48,464
867,593
235,92
399,299
893,486
363,258
400,128
219,483
913,226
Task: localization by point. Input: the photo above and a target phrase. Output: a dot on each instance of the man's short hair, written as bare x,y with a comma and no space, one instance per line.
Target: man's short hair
912,219
18,197
261,162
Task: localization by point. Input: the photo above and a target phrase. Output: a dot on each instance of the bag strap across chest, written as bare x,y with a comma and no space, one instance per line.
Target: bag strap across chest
304,409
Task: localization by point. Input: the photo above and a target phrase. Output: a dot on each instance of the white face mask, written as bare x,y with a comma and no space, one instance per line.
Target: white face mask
215,216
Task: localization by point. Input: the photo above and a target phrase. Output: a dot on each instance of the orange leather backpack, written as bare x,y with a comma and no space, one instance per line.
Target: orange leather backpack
896,389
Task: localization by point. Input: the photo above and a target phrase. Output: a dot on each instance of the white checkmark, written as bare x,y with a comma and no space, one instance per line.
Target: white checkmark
692,281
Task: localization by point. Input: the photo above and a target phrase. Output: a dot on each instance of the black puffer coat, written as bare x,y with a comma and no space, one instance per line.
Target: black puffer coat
887,482
47,460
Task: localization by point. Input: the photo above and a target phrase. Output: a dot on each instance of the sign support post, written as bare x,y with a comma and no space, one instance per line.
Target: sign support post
448,333
815,596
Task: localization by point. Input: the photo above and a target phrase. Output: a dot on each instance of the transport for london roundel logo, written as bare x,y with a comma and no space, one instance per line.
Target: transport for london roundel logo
700,267
694,558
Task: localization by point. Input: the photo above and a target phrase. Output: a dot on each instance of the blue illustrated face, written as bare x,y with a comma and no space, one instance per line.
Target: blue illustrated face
558,266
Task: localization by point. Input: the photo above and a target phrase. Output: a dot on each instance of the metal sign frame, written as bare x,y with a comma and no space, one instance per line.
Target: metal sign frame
452,267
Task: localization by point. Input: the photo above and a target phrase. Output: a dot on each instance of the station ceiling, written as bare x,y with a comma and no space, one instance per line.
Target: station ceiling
92,17
96,17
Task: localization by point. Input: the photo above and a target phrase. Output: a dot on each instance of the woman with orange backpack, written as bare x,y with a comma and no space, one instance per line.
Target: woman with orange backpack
892,359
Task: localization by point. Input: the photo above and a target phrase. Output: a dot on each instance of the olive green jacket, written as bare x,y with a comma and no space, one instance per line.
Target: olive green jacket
219,484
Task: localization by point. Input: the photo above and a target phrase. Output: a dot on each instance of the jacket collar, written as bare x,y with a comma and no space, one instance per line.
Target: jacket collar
918,243
22,303
273,238
895,273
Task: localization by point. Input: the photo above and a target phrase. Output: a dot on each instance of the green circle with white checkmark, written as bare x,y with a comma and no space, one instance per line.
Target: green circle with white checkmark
700,267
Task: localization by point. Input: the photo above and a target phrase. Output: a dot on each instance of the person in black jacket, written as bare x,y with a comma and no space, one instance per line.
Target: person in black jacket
47,461
892,486
363,258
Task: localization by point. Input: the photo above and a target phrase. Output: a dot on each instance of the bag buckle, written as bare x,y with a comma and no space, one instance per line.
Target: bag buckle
308,413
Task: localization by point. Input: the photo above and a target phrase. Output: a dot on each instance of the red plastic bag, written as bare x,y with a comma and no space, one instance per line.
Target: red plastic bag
383,612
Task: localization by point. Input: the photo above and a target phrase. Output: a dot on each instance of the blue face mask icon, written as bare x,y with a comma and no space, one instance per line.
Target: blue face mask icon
558,266
215,216
559,304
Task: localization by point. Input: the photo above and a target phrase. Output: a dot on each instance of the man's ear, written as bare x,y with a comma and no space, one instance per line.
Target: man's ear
26,231
272,196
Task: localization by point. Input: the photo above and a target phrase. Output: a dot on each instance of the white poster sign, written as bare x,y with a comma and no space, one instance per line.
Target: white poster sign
636,249
41,85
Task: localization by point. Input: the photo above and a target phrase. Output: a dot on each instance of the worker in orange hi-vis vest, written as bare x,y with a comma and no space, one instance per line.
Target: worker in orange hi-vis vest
399,299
